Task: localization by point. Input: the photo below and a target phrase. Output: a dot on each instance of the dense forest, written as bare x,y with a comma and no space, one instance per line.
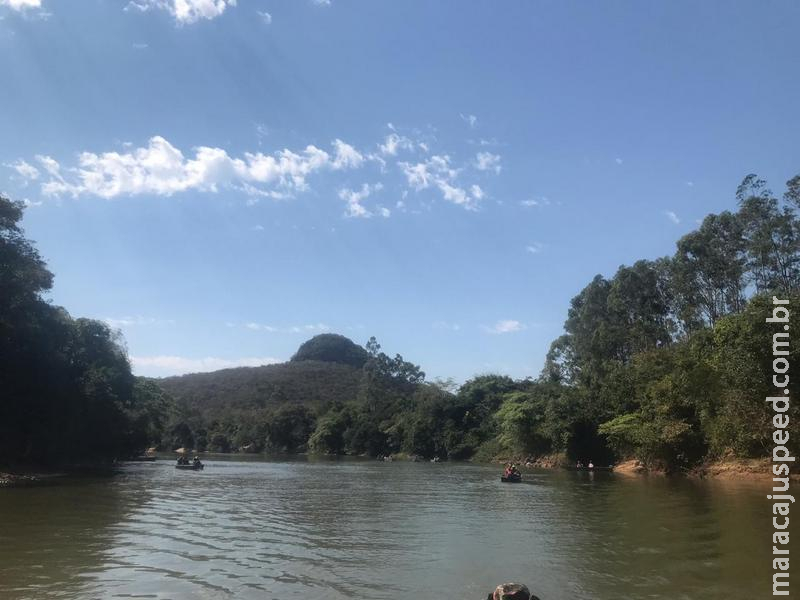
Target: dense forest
67,394
668,361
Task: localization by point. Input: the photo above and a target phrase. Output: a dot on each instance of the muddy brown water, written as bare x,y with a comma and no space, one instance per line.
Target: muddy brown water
276,529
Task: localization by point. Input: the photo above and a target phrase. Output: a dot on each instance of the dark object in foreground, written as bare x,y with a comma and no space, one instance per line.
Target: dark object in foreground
511,591
191,467
512,478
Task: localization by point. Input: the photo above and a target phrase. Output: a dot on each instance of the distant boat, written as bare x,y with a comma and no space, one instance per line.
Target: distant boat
190,467
513,478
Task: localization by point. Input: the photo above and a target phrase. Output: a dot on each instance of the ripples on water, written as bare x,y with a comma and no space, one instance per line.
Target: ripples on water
370,530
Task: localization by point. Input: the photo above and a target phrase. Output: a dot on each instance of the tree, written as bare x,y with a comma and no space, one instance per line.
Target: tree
68,392
792,194
289,428
709,269
772,238
329,435
23,273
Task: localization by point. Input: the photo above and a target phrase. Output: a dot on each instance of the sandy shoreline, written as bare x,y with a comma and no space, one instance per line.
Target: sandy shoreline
751,469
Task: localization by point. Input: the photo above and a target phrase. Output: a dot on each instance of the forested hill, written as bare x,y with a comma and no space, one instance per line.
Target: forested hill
279,407
312,383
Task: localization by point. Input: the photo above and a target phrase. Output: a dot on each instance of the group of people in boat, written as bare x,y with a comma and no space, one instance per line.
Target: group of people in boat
589,465
184,461
512,591
511,471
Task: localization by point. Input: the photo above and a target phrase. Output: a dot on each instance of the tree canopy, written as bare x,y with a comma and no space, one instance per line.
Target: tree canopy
66,385
332,347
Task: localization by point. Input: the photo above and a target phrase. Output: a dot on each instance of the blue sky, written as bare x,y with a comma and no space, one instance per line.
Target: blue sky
222,180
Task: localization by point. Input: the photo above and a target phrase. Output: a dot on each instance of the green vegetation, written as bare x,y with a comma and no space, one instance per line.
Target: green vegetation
332,347
668,361
66,389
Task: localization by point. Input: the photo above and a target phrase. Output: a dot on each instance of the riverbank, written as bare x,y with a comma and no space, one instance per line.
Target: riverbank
750,469
15,475
14,480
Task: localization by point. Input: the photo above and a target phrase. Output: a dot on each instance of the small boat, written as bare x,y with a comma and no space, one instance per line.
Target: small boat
190,467
513,478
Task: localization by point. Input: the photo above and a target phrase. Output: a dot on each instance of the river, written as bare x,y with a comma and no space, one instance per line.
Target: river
328,529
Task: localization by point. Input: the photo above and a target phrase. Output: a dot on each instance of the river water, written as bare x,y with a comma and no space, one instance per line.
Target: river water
370,530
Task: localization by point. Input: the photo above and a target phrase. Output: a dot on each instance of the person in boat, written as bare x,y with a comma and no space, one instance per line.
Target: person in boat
579,465
511,591
591,464
196,462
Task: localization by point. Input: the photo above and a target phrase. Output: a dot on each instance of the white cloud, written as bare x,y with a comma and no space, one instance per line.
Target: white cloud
618,160
393,143
437,171
486,161
184,12
21,4
346,156
139,45
162,169
24,169
120,322
472,120
178,365
322,2
289,329
534,248
417,175
262,130
50,165
265,17
446,326
672,217
453,194
535,202
354,198
307,328
505,326
260,327
690,183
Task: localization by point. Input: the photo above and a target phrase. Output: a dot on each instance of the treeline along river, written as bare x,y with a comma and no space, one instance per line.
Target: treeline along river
350,528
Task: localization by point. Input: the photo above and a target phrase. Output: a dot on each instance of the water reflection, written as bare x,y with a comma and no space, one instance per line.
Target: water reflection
53,538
